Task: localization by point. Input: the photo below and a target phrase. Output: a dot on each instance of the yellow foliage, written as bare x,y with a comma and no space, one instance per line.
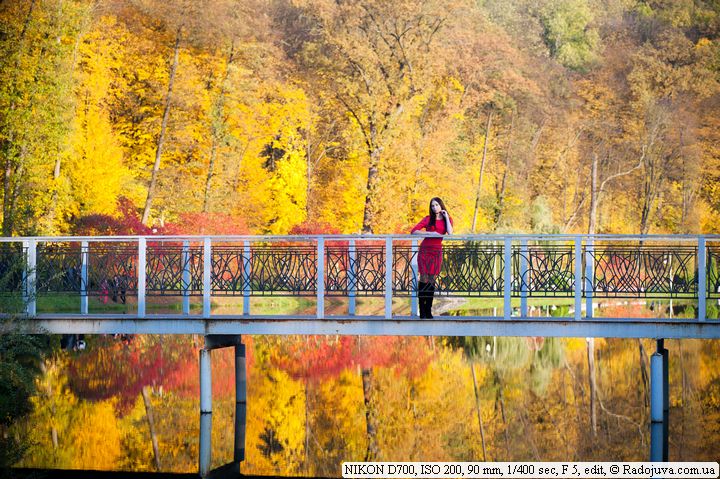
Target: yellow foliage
275,424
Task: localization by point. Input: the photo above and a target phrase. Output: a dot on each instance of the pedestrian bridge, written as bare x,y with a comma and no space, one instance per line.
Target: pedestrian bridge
59,285
44,274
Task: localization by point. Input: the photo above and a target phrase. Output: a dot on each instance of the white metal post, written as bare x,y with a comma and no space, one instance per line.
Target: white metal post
84,259
507,281
352,277
31,285
589,276
141,276
320,288
524,279
246,278
185,261
414,283
578,277
388,277
207,276
702,279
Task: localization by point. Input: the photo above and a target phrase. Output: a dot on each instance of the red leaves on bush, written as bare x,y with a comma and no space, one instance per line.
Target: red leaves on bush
207,224
127,223
312,227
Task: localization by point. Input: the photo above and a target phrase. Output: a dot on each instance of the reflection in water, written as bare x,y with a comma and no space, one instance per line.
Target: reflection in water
310,400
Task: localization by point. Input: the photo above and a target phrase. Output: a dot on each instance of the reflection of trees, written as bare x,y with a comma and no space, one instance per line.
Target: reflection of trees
545,360
512,363
313,359
20,359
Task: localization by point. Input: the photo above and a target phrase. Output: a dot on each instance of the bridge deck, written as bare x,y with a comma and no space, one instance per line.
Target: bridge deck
368,325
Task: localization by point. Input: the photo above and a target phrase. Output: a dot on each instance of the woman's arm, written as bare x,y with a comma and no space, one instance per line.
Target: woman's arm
448,222
417,229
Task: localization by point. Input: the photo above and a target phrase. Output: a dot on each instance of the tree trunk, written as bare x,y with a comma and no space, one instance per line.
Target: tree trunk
151,424
593,384
208,180
7,227
482,170
594,198
372,181
163,127
503,184
217,130
477,409
373,450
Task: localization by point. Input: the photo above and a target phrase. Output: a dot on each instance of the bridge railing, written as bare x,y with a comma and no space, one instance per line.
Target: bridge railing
581,267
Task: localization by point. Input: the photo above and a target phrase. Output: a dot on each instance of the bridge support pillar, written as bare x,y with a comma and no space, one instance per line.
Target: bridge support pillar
205,412
232,469
659,403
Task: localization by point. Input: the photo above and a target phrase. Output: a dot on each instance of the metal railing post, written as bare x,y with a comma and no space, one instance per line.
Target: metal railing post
578,277
246,278
507,281
589,277
388,277
141,276
185,260
31,281
352,277
524,280
414,282
207,276
84,259
320,278
702,279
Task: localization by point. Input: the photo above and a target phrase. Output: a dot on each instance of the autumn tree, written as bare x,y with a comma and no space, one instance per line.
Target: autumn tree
36,65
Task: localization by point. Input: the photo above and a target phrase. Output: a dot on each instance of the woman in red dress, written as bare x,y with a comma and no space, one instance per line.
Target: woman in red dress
437,224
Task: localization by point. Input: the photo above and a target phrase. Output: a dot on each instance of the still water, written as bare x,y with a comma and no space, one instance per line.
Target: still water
314,402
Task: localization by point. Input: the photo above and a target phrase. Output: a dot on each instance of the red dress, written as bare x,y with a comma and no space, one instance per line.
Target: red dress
430,257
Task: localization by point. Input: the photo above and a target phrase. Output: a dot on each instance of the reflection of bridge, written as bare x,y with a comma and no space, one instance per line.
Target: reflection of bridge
512,270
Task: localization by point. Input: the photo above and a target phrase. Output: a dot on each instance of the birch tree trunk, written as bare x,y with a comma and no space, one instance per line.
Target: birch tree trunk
503,183
163,128
482,171
151,424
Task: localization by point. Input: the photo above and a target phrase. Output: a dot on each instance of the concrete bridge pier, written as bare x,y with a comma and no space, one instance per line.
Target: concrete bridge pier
659,404
231,469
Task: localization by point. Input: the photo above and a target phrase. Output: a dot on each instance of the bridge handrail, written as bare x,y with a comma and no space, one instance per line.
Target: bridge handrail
454,237
499,265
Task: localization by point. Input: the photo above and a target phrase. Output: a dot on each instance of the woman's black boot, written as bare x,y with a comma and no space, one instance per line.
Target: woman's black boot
429,300
422,299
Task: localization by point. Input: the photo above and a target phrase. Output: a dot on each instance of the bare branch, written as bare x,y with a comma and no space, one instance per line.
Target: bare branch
623,173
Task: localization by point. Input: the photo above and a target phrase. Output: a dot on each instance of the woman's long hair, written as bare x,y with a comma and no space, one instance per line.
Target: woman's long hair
432,215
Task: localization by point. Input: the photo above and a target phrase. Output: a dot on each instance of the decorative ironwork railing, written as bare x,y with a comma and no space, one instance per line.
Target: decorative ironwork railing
522,266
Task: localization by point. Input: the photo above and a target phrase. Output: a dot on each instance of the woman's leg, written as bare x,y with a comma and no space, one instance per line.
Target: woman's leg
423,300
430,295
